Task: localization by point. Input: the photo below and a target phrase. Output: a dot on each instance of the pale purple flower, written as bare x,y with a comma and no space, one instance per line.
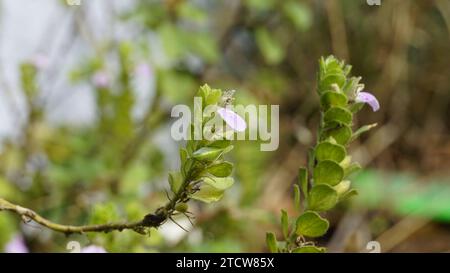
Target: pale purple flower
232,119
40,61
16,245
366,97
101,79
93,249
143,69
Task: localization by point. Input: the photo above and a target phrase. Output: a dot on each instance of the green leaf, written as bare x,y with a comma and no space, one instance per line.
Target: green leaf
330,63
351,86
186,167
191,12
175,181
223,169
338,115
270,48
173,40
299,14
351,169
348,194
271,242
220,144
104,213
220,183
183,156
309,249
207,194
328,172
214,97
322,197
212,189
303,180
310,224
285,223
325,83
329,151
362,130
204,92
341,134
297,196
207,154
176,86
203,45
333,99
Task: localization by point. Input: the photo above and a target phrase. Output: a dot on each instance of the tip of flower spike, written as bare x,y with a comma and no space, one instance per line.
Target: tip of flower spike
366,97
232,119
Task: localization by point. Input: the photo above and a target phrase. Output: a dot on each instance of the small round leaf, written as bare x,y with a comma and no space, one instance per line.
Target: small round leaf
338,115
329,151
328,172
322,197
333,98
341,134
330,79
310,224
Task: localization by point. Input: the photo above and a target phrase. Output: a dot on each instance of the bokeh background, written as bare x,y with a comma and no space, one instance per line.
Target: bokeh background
86,93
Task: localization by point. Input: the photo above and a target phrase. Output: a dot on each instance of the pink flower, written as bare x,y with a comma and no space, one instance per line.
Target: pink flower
16,245
232,119
93,249
101,79
40,61
143,69
366,97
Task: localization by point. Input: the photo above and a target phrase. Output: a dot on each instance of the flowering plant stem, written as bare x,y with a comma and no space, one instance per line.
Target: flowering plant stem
203,175
328,162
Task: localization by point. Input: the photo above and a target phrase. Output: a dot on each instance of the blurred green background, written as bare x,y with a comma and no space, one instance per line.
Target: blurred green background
114,167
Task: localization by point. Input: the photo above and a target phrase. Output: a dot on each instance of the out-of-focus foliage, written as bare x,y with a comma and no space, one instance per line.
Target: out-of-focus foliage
116,167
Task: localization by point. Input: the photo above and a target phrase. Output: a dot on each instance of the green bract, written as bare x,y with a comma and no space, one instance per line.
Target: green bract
341,133
329,151
332,98
222,169
338,115
310,224
322,197
328,172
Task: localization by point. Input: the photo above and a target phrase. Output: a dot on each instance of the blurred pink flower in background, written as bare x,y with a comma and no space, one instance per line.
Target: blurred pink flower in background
16,245
143,69
40,61
93,249
101,79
